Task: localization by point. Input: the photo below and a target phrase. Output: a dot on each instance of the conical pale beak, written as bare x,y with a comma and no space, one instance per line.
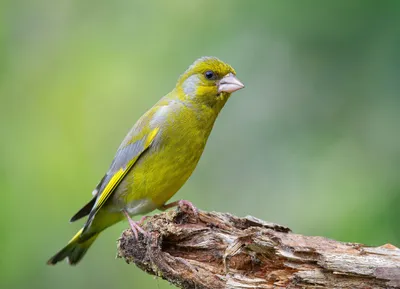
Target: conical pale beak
229,83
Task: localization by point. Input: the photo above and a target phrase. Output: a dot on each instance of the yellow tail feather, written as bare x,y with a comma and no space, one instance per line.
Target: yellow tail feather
74,251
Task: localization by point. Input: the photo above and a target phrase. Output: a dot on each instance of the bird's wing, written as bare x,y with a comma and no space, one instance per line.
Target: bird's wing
130,149
85,210
134,145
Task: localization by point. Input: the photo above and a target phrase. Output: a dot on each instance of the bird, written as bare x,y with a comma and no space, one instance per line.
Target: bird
157,156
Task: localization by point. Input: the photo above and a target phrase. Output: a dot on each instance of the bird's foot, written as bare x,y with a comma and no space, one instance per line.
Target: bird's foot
181,204
135,226
142,220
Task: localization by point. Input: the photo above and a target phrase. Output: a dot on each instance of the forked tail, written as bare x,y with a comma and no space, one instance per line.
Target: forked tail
74,251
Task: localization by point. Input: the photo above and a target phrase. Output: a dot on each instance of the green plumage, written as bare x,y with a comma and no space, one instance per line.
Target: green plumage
159,154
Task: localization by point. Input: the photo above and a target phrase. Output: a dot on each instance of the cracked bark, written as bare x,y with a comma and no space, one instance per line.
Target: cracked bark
219,250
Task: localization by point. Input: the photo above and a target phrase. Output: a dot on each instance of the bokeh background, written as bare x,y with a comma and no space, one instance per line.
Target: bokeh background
313,142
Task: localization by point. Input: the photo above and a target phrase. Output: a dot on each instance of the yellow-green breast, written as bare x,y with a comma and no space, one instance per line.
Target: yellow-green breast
184,128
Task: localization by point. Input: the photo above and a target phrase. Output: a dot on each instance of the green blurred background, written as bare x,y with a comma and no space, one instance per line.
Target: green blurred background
313,142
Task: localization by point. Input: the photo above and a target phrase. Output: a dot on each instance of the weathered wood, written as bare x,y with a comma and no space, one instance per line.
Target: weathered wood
218,250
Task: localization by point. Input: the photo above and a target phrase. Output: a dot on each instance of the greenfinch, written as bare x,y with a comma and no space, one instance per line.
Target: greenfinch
157,156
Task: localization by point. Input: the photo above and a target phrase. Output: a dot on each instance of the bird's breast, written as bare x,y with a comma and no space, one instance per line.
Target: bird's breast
170,160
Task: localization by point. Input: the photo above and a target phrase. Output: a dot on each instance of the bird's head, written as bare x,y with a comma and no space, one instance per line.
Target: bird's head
208,81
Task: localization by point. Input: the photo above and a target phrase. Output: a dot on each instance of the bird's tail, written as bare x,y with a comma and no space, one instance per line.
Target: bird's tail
74,251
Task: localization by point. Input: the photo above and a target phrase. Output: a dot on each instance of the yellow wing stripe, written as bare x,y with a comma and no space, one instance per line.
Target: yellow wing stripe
120,174
117,177
151,137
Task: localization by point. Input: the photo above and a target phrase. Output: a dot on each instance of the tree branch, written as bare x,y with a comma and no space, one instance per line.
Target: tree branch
218,250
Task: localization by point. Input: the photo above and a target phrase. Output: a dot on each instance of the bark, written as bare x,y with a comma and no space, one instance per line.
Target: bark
219,250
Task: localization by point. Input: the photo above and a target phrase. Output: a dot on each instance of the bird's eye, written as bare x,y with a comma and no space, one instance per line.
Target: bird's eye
210,74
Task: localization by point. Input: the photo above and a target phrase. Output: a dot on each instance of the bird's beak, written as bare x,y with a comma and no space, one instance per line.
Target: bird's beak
229,83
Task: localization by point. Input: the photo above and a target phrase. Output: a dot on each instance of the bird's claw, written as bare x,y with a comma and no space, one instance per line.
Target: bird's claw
189,204
136,226
181,204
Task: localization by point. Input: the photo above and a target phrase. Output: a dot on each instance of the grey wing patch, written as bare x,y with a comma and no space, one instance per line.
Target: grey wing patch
124,155
121,159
